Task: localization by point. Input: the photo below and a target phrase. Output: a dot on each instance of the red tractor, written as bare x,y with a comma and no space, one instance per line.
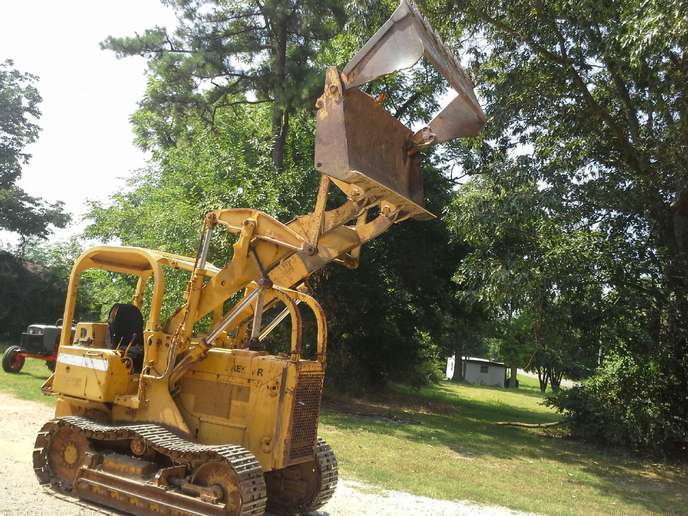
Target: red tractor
39,341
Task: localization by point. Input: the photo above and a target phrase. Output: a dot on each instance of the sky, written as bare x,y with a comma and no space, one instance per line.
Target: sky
85,149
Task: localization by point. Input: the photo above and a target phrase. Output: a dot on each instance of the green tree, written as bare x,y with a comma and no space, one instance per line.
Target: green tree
228,165
533,267
36,284
388,319
596,94
232,52
19,212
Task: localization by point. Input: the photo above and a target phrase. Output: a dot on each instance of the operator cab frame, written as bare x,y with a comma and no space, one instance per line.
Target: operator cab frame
89,364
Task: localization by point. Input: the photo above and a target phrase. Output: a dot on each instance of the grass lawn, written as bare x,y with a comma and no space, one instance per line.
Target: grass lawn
27,383
442,442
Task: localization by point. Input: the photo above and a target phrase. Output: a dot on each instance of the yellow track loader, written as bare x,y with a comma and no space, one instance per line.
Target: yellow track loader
156,417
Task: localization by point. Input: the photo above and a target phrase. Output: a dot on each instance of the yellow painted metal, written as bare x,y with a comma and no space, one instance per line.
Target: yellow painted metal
91,334
223,395
244,397
220,387
155,404
92,374
71,406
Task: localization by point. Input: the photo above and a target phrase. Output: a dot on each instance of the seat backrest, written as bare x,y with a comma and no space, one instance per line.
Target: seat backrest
125,323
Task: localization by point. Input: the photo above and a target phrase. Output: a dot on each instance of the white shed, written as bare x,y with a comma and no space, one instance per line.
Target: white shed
479,371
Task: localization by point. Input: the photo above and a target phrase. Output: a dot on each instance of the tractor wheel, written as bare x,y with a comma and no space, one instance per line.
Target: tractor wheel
50,364
12,362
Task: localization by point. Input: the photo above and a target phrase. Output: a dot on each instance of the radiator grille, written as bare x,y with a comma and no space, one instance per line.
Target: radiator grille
304,421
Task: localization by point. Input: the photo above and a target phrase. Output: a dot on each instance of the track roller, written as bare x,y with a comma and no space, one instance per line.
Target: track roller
147,469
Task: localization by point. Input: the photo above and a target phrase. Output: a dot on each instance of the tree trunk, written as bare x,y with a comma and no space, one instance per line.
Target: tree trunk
680,222
458,364
280,128
543,378
555,380
513,378
458,369
675,336
280,113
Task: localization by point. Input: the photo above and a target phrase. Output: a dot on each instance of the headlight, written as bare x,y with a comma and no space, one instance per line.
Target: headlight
35,331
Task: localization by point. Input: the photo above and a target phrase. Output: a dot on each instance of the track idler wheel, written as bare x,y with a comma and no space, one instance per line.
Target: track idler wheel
59,453
303,488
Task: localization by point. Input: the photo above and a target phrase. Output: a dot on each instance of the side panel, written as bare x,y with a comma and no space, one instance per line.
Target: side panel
256,400
76,407
92,374
92,334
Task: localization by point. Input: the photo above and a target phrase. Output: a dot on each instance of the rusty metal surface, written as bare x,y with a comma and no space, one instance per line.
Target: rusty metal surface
399,44
358,140
359,143
135,497
130,494
119,464
303,488
303,427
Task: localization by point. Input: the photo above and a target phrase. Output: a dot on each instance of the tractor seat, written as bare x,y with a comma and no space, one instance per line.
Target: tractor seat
125,323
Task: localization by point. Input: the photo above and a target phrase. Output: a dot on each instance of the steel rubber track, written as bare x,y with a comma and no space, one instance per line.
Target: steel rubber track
165,442
328,474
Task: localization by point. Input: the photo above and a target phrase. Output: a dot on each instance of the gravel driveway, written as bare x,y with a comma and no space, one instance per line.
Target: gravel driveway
20,494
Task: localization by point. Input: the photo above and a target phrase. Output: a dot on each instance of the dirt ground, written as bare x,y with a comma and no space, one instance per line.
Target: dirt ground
20,493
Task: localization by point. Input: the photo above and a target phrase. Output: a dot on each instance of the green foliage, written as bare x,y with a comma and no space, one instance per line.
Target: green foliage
534,267
623,404
33,288
231,53
226,166
19,101
36,286
594,95
29,216
19,212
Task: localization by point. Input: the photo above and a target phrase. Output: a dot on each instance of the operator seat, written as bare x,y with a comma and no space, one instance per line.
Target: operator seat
125,323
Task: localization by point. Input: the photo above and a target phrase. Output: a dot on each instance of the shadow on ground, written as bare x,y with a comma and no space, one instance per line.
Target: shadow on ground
466,426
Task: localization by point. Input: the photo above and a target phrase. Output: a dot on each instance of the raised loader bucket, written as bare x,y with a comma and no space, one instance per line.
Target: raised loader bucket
359,143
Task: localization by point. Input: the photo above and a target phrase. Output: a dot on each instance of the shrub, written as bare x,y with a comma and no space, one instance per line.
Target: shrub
623,404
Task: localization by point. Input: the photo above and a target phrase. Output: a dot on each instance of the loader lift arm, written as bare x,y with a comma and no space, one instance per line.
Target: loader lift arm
213,423
362,149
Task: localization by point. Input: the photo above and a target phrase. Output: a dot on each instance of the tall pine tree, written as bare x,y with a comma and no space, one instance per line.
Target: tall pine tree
229,52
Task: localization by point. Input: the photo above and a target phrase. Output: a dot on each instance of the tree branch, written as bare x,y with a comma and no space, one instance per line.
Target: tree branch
620,84
629,151
401,111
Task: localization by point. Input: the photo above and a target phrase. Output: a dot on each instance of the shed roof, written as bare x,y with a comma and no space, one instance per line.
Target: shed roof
483,361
